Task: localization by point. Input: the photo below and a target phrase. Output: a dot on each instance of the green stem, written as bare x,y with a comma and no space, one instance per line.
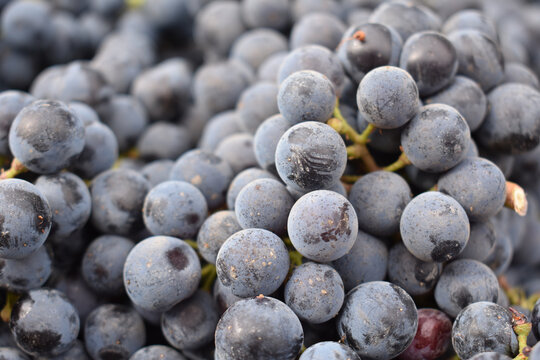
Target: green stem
341,125
192,243
296,258
11,299
208,276
16,168
522,328
400,163
350,179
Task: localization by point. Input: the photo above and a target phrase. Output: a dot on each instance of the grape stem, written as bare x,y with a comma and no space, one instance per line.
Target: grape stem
16,168
192,243
350,179
522,328
399,164
11,299
517,296
516,198
341,125
208,276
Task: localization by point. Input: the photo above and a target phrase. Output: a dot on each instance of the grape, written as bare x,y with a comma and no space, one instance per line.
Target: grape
392,315
11,102
519,73
157,171
310,156
114,331
272,14
268,70
255,46
218,128
314,292
380,84
317,29
175,273
25,219
447,143
102,264
237,150
44,323
163,140
466,96
366,261
520,135
223,296
264,204
256,104
10,353
431,59
252,262
266,139
306,95
69,200
214,231
374,45
535,319
174,208
322,225
258,328
46,136
464,282
76,352
478,185
79,294
432,338
117,200
191,323
379,199
470,19
241,180
329,350
316,58
28,273
434,227
491,355
481,327
481,241
156,352
206,171
415,276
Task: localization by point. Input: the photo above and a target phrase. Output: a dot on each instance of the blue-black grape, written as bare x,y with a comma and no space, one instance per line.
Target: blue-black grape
464,282
191,323
306,95
516,72
69,200
266,139
379,199
28,273
258,328
431,59
368,46
218,128
264,204
329,350
366,261
268,70
252,262
163,140
214,231
272,14
157,171
103,262
174,208
470,19
255,46
257,103
322,225
436,139
392,324
117,201
483,326
466,96
415,276
434,227
311,156
206,171
317,28
11,102
316,58
237,150
384,83
314,292
482,239
12,353
157,352
515,134
114,332
76,352
46,136
161,271
241,180
25,218
44,323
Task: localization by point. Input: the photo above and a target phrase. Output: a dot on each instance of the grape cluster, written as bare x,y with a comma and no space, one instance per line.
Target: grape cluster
269,179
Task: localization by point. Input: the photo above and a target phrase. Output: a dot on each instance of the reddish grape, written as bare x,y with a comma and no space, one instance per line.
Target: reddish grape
432,337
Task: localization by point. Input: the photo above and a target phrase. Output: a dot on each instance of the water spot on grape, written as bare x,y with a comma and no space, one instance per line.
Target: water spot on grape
40,341
113,353
192,218
177,258
462,297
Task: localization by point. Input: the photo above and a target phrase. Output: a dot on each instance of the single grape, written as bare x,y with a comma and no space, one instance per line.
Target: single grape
214,231
329,350
157,352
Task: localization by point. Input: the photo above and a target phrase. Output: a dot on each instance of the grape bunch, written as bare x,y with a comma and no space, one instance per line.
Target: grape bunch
269,179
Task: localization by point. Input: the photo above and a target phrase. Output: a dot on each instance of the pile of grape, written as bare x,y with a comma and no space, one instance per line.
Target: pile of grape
269,179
